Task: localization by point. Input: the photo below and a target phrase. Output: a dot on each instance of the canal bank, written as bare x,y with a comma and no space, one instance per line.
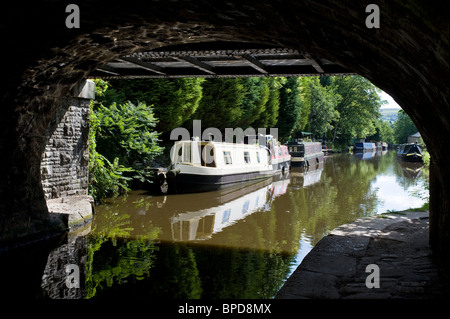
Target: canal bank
396,243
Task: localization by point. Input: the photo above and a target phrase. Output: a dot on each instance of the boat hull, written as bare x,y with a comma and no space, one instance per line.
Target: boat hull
304,154
193,183
306,161
411,153
282,166
413,158
364,147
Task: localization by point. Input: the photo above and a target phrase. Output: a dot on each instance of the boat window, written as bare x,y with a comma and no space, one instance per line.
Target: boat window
295,148
178,153
247,157
187,153
290,149
227,157
279,152
257,157
207,155
245,207
226,216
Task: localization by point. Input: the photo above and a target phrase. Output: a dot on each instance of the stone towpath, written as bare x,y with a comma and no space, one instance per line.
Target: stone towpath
396,242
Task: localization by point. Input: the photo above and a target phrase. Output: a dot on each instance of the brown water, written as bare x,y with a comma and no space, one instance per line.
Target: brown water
242,242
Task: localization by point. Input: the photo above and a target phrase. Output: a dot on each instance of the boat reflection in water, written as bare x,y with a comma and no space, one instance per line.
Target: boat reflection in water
411,170
306,176
233,206
370,154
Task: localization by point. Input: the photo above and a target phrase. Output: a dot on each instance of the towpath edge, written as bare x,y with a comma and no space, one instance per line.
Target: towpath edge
395,242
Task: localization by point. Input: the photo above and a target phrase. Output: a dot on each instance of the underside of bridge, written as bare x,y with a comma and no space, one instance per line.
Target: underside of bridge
217,59
407,56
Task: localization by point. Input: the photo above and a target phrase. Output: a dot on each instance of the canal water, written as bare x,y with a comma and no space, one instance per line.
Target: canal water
241,242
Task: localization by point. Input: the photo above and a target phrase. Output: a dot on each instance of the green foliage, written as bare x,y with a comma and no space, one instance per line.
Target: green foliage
403,127
255,99
340,107
269,117
290,107
305,98
126,133
222,103
239,102
122,142
174,100
426,158
358,108
322,107
106,178
115,255
383,132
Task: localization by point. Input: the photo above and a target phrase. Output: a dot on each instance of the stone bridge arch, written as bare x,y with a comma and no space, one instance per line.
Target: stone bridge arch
44,60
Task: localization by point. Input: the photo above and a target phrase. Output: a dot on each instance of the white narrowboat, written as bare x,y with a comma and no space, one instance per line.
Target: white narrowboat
208,165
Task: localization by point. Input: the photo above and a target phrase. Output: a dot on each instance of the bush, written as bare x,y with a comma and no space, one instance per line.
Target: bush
122,144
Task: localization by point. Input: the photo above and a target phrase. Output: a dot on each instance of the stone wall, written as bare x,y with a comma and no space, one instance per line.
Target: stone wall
72,253
65,161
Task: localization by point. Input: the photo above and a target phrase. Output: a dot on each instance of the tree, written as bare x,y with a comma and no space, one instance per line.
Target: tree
322,107
127,133
222,103
255,99
358,108
269,117
122,142
173,100
384,132
305,98
403,127
290,107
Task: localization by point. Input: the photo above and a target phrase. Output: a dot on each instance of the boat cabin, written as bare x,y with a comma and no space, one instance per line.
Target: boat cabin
410,152
305,153
217,154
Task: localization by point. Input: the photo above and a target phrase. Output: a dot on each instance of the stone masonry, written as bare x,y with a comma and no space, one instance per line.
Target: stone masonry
65,161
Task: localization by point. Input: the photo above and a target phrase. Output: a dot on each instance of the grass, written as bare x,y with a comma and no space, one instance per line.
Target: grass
390,212
425,207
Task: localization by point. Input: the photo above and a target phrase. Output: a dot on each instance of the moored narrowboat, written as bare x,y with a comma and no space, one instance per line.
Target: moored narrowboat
209,165
305,153
364,147
411,152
